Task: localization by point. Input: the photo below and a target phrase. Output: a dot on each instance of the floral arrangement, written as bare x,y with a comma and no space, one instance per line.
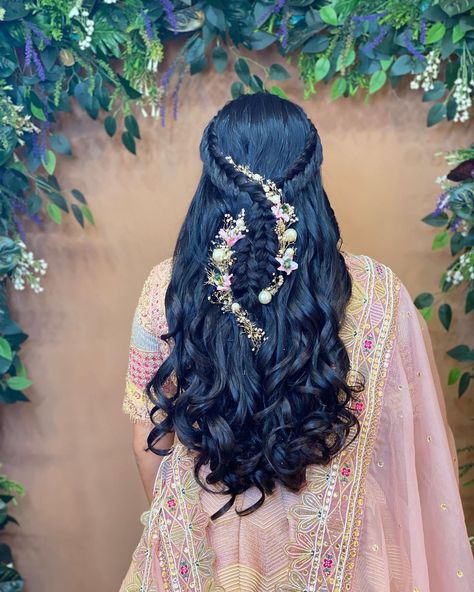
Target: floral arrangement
108,57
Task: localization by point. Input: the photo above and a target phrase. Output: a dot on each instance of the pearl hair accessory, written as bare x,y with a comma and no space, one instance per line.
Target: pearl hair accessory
222,255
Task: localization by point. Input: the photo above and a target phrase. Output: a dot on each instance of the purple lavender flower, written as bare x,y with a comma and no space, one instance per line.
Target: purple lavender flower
38,66
275,9
176,96
411,48
28,50
455,224
423,31
170,15
376,41
442,203
367,18
283,31
19,227
38,32
148,26
165,81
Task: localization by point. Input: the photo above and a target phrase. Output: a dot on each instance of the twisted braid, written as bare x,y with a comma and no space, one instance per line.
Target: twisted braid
255,254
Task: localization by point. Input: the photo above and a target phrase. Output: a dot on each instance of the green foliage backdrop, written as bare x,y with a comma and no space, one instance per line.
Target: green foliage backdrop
108,57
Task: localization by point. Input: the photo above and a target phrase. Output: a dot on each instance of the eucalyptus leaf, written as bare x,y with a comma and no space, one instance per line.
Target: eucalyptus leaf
132,126
77,212
129,142
464,383
445,314
110,125
424,300
278,72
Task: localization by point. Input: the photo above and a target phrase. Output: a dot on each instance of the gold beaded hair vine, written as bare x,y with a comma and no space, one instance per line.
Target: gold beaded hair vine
222,255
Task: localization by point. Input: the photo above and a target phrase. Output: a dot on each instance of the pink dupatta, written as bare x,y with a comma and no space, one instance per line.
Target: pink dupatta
384,515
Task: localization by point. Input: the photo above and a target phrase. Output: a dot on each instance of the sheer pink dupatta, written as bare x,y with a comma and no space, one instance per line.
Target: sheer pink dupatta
414,536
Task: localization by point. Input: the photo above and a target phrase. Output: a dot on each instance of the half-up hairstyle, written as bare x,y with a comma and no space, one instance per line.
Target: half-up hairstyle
258,417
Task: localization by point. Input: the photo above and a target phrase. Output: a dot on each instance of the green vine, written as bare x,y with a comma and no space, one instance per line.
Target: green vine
107,56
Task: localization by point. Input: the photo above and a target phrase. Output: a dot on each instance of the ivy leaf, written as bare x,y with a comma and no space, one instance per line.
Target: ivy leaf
88,214
49,161
18,383
132,126
5,349
377,80
436,114
278,72
110,125
464,383
454,375
61,144
445,314
54,212
328,15
321,68
219,59
440,240
424,300
279,92
435,33
76,210
242,70
461,353
129,142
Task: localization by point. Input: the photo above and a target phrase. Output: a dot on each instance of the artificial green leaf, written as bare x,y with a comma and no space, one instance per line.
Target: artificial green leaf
110,125
469,302
458,33
440,240
236,89
219,58
461,353
5,349
132,126
377,80
76,210
18,383
87,214
321,68
424,300
61,144
438,220
54,212
328,15
401,66
427,313
338,88
49,161
276,90
464,383
439,90
242,70
129,142
445,314
454,375
79,196
278,72
59,200
436,114
37,112
435,33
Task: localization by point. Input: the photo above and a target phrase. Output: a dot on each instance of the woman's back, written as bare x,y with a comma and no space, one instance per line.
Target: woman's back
380,516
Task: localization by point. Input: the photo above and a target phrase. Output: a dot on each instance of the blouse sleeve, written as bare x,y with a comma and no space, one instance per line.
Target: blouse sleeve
147,351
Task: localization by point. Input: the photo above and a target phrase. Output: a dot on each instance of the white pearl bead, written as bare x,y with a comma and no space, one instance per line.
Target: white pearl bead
290,252
290,235
218,255
235,307
264,297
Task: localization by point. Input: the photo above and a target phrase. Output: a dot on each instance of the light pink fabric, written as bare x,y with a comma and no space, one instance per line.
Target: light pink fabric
406,532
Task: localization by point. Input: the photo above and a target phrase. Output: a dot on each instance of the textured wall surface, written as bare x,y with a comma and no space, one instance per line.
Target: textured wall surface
70,446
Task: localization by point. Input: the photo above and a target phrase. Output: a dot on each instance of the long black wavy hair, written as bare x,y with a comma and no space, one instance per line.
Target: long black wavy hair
258,417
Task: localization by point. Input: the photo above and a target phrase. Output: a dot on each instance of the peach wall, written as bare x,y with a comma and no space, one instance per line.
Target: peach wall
70,446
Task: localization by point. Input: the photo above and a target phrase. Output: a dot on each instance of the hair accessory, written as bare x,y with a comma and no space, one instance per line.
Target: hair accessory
222,256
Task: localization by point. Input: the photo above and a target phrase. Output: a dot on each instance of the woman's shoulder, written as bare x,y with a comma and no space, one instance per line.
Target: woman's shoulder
360,266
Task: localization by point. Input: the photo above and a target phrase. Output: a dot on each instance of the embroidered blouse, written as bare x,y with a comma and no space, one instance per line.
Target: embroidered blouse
384,515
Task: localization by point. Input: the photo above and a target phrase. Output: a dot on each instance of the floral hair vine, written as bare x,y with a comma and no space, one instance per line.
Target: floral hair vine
222,256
